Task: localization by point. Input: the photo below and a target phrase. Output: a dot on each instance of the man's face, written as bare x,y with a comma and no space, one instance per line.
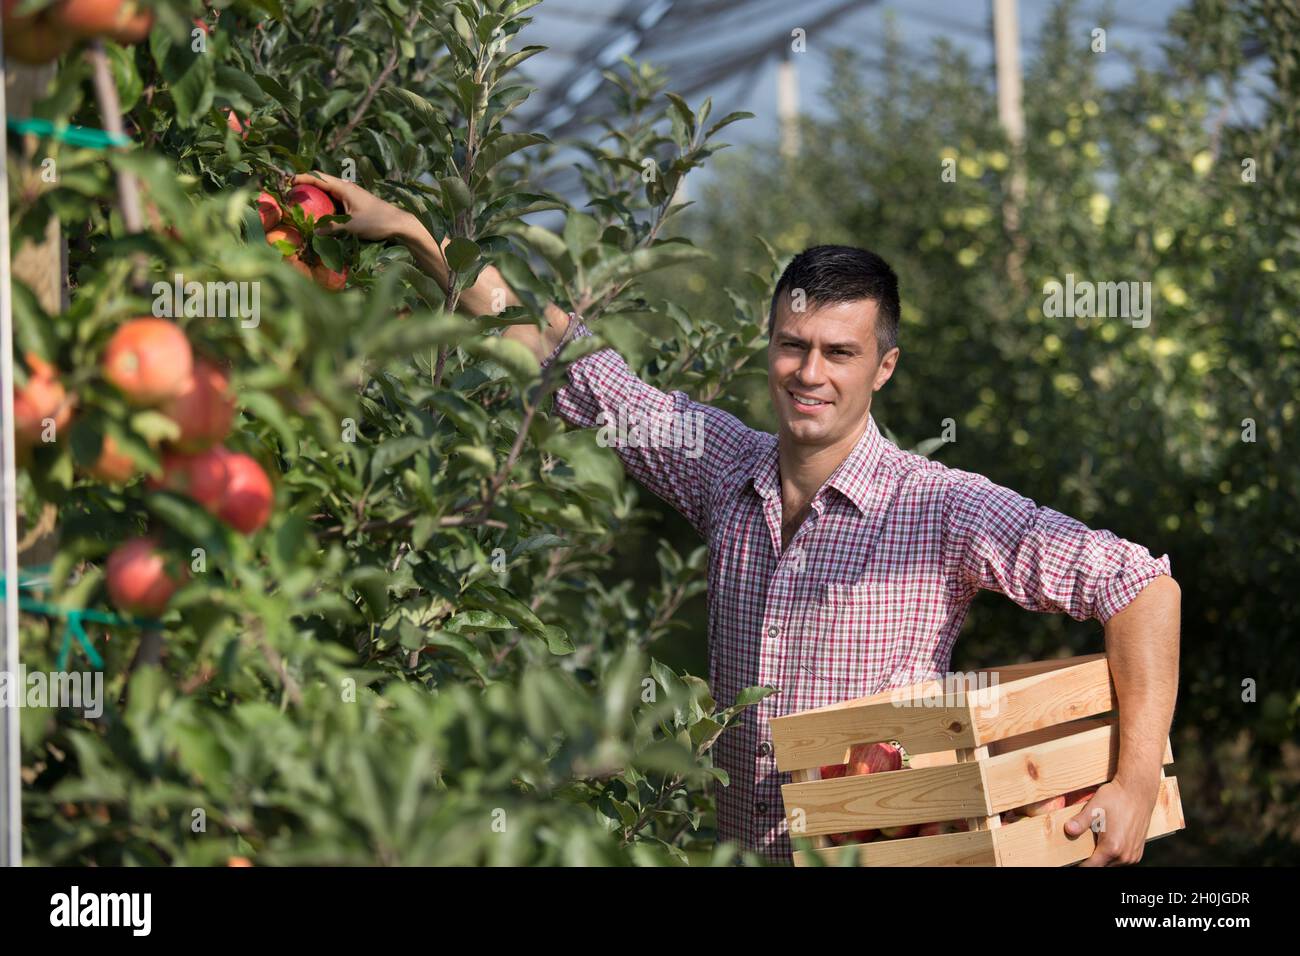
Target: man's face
822,369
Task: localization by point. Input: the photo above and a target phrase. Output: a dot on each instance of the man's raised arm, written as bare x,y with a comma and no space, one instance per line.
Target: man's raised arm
676,447
373,218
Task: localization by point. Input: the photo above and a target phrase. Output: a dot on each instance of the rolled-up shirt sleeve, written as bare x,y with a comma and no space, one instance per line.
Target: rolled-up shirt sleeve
675,447
1042,559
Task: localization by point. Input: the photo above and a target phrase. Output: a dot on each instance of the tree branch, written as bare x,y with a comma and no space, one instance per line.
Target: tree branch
359,113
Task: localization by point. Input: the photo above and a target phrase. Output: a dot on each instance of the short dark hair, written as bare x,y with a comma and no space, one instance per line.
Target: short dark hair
843,274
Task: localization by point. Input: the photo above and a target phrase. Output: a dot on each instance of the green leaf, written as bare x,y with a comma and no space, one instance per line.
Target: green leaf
684,112
393,451
189,76
372,584
752,695
456,194
558,641
461,253
581,232
500,145
727,121
516,358
154,427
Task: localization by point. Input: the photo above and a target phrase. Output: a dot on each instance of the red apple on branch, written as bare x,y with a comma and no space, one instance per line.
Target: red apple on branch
204,408
268,210
149,360
138,582
202,477
327,278
248,497
42,398
232,120
113,465
35,38
123,20
314,202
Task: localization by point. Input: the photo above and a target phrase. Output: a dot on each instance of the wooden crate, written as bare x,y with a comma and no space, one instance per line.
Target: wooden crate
1005,738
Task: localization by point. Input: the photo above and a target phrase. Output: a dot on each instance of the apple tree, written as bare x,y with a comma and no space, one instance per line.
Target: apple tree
416,652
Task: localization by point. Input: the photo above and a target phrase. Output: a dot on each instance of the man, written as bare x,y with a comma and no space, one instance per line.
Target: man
840,566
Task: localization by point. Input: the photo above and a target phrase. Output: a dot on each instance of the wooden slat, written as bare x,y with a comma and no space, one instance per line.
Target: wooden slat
946,849
1009,672
815,738
1041,700
1041,841
1054,767
887,799
982,822
1034,841
799,776
1059,731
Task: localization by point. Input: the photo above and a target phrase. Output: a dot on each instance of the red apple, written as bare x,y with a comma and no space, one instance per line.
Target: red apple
1043,807
314,202
899,833
233,122
202,477
135,27
43,397
329,279
149,360
113,465
874,758
35,38
268,210
246,504
123,20
866,758
204,408
138,582
286,233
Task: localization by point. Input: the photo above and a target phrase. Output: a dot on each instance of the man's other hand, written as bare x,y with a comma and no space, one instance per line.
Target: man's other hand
1122,813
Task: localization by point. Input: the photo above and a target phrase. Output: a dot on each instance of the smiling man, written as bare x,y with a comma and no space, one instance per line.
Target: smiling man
840,565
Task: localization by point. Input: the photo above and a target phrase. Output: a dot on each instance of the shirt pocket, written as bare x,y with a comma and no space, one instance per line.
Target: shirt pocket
844,643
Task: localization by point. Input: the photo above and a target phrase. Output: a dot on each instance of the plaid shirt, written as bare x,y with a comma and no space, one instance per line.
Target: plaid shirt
874,586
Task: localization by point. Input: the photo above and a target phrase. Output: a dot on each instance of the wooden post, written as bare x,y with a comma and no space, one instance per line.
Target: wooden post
1011,115
41,267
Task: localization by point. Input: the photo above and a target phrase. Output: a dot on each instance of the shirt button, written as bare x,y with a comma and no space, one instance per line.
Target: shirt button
761,807
764,749
773,631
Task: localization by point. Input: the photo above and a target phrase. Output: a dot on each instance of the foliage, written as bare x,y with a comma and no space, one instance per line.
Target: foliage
413,663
